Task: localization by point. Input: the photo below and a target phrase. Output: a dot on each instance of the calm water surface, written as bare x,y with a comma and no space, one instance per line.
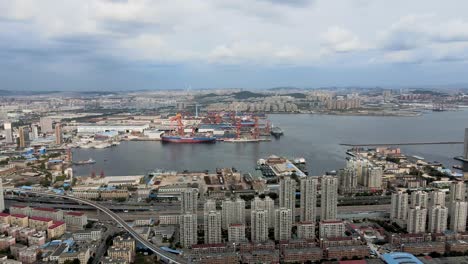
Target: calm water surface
314,137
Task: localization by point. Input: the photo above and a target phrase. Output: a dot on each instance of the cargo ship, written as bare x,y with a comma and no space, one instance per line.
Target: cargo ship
84,162
188,139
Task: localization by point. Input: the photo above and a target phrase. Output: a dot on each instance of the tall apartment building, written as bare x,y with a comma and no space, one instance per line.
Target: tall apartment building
457,191
437,219
306,230
212,227
23,136
458,216
419,198
2,199
331,228
329,197
8,132
233,212
308,209
436,198
416,220
287,195
259,225
373,177
58,134
188,229
347,178
399,206
210,205
188,201
236,233
283,223
35,132
46,124
265,204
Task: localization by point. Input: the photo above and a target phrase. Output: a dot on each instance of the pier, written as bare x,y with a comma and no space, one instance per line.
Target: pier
403,144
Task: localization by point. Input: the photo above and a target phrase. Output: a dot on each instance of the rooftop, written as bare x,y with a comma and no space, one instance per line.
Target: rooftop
42,219
45,209
75,213
56,224
19,215
400,258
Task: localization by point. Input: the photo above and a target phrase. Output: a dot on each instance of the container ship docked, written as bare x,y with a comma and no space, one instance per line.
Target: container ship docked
188,139
181,137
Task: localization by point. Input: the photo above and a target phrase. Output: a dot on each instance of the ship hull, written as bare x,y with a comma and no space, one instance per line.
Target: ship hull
188,140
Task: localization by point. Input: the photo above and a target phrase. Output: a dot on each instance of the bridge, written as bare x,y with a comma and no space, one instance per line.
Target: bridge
402,144
171,258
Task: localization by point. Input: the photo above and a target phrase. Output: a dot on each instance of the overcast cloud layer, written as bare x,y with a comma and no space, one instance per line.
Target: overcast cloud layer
151,44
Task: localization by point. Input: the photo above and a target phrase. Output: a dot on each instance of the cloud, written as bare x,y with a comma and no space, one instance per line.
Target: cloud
338,39
89,34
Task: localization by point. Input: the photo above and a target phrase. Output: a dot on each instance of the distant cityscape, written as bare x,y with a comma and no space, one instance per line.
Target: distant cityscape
382,206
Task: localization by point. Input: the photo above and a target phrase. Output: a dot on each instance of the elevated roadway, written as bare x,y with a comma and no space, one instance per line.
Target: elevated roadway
171,258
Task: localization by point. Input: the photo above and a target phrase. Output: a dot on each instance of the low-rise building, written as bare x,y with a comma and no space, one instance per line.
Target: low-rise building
348,252
20,209
29,255
114,194
19,220
6,242
172,219
40,223
456,246
75,220
424,247
339,241
5,218
58,251
38,239
14,231
143,222
24,233
302,255
15,249
56,230
87,235
261,256
87,194
55,214
219,258
82,255
121,253
109,260
124,242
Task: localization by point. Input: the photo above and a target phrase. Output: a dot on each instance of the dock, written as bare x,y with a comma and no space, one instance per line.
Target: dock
402,144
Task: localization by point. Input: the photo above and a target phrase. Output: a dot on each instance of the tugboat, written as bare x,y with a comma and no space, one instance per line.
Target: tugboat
276,131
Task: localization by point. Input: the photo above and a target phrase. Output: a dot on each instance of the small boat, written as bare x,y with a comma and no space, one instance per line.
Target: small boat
276,131
458,167
84,162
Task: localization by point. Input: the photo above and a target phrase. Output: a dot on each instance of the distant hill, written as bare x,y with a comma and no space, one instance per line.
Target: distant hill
247,95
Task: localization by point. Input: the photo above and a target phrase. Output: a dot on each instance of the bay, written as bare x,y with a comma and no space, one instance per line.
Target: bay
317,138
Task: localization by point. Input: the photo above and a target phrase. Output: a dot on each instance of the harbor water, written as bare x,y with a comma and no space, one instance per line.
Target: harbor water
317,138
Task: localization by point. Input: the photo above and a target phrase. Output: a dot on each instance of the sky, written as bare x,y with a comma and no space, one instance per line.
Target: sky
179,44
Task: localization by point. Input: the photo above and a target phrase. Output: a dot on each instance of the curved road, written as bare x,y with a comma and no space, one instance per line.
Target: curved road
161,253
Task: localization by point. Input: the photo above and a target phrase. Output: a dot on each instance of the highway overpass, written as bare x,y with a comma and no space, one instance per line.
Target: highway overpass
162,254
